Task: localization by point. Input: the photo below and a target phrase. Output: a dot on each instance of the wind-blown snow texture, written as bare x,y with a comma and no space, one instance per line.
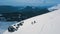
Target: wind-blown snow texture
45,24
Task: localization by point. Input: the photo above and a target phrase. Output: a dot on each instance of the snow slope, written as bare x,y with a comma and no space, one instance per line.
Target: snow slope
45,24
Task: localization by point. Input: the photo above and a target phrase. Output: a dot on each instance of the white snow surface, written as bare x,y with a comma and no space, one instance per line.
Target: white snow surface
45,24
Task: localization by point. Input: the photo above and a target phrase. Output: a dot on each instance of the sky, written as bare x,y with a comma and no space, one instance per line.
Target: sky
28,2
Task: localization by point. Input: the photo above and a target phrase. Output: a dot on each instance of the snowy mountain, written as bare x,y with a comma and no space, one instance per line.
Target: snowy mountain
56,7
44,24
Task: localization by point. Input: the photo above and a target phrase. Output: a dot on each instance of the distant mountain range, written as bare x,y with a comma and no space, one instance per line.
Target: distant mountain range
9,9
26,12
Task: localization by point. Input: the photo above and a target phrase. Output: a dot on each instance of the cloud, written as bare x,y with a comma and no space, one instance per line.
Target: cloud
27,2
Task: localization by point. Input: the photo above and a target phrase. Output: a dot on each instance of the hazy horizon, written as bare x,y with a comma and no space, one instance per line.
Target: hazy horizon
29,2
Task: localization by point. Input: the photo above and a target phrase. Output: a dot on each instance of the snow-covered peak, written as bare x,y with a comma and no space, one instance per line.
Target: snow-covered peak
53,8
45,24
